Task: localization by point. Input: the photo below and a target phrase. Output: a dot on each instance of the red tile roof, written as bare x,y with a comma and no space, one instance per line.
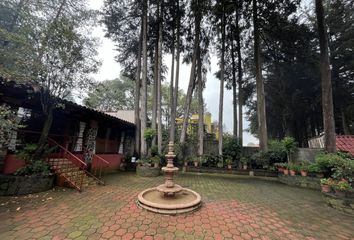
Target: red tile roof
345,143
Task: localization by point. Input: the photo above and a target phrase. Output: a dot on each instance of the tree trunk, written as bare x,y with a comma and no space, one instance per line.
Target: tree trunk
159,118
344,122
154,89
172,77
137,94
143,111
327,98
44,134
234,94
222,74
191,81
175,93
239,80
200,106
261,111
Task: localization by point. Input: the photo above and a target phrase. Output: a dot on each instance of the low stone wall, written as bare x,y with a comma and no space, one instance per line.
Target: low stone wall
256,172
144,171
20,185
306,182
345,205
305,154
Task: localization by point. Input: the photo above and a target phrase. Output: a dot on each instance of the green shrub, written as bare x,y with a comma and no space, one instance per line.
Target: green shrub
232,148
228,161
155,159
154,150
27,152
314,168
342,186
294,167
345,170
149,135
38,168
260,159
211,160
304,165
277,151
326,161
327,181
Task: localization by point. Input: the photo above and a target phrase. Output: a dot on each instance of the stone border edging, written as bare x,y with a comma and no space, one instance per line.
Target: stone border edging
11,185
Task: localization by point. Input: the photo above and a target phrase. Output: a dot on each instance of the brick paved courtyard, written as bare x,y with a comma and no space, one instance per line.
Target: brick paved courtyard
233,208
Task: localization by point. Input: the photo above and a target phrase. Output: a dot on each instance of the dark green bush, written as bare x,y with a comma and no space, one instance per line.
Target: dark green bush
39,168
232,148
277,152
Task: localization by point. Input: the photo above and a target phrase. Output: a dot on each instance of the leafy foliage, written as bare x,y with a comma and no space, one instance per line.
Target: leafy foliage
33,166
112,95
232,148
8,124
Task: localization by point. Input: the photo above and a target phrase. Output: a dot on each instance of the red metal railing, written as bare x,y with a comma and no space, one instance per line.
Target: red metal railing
68,155
99,168
73,176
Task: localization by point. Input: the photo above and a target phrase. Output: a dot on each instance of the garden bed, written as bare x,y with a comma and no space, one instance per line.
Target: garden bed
299,181
146,171
343,204
19,185
256,172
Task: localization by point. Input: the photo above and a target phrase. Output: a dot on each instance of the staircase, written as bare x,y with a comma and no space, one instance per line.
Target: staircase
75,176
73,170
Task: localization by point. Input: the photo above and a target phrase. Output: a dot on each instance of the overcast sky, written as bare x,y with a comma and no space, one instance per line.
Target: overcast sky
110,69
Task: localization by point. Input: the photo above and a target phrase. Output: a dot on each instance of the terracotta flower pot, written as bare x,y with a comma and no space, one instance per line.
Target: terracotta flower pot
340,193
292,173
326,188
229,166
303,173
244,166
286,172
195,164
280,169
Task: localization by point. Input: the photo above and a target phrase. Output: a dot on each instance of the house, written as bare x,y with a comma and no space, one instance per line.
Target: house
344,143
81,134
209,126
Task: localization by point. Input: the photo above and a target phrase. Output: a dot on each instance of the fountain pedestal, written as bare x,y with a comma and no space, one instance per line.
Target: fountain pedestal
169,198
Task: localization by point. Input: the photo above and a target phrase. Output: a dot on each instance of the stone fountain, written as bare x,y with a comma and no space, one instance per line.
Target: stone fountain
169,198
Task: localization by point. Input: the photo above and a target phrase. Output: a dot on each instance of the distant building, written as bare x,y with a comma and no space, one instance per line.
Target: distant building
209,126
126,115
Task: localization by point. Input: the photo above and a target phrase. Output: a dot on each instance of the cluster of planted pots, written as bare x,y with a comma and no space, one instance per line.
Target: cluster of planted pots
340,188
295,169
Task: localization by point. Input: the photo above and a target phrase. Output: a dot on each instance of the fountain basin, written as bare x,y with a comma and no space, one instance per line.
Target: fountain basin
184,201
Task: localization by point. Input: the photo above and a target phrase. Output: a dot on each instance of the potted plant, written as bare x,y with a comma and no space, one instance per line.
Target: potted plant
315,168
286,169
341,188
280,166
228,162
304,167
326,184
244,162
293,168
156,161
